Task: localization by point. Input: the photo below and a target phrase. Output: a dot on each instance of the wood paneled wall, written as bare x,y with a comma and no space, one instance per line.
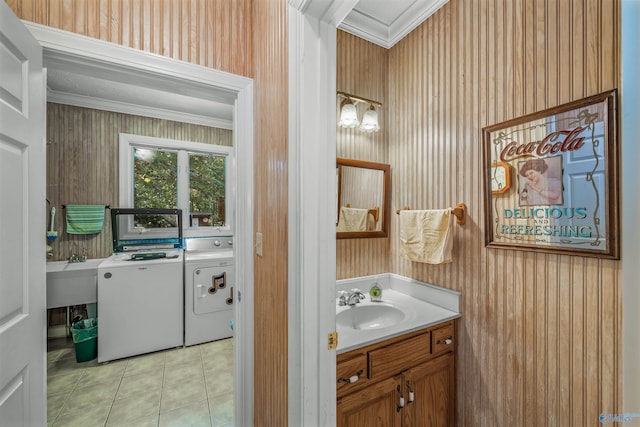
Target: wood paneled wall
82,165
212,33
271,195
540,336
245,37
362,70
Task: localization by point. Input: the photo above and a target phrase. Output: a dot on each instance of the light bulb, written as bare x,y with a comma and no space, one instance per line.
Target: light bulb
348,115
370,121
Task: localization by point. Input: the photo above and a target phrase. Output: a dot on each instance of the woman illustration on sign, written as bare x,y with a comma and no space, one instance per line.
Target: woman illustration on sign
539,188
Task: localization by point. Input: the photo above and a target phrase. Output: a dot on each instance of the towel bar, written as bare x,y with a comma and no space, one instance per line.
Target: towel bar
460,212
105,206
375,212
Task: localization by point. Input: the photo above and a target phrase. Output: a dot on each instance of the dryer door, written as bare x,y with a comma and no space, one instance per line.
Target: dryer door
212,288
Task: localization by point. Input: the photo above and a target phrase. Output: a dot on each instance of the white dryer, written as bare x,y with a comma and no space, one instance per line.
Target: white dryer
209,279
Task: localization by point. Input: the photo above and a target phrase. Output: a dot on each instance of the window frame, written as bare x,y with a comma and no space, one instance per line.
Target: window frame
127,144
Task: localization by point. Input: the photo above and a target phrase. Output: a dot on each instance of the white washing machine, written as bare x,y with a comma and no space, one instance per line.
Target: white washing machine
139,304
209,278
140,287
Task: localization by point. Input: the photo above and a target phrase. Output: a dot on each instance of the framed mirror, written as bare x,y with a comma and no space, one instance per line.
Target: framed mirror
363,199
564,195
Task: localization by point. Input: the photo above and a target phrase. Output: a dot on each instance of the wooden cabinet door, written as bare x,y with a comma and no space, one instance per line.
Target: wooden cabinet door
374,406
433,387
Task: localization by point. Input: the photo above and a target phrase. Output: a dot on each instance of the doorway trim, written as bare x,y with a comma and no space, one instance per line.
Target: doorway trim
630,131
312,181
63,48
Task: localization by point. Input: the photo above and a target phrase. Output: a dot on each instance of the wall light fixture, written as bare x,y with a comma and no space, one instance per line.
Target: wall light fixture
349,114
370,120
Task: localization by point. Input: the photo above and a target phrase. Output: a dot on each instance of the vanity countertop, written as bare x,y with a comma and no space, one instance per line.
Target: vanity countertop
418,314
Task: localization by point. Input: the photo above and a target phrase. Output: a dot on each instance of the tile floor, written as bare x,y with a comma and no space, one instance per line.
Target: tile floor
191,386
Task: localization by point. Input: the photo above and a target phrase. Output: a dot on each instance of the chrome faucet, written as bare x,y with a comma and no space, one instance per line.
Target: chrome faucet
77,258
355,296
74,257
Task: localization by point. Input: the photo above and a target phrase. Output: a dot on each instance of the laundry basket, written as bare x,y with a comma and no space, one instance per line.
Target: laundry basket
85,339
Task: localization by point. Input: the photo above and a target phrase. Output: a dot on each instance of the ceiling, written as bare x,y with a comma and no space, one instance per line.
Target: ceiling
383,22
91,83
133,96
386,22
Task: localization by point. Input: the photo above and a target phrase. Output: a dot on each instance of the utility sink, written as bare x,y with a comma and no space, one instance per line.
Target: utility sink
72,283
66,266
373,316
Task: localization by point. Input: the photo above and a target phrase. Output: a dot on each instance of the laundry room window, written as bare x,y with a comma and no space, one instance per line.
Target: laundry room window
155,183
207,178
194,177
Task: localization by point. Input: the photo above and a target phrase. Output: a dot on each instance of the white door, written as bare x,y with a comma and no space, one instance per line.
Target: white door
580,191
22,226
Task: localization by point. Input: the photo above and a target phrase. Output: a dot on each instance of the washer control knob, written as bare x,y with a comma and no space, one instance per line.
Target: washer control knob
216,243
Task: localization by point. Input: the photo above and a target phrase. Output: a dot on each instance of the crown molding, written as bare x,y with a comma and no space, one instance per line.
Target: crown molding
369,28
135,109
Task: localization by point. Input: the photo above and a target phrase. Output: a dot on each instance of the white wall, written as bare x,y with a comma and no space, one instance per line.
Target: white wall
630,176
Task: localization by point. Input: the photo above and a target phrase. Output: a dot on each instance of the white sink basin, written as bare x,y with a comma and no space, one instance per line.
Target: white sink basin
370,322
60,266
72,283
374,316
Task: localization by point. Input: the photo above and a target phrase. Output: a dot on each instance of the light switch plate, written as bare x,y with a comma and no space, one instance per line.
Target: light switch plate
259,244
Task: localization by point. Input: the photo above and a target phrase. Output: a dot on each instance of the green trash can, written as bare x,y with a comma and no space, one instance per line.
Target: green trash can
85,339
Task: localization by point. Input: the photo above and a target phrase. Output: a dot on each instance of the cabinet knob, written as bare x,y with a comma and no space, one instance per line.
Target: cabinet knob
351,379
411,395
400,400
445,341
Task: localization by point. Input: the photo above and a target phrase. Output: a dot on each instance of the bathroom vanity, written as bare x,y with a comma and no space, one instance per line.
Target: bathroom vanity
404,381
394,369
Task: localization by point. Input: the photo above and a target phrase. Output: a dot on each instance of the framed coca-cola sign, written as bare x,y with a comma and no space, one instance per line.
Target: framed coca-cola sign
552,180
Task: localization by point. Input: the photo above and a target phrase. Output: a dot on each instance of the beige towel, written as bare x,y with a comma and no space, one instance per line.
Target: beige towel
352,219
425,236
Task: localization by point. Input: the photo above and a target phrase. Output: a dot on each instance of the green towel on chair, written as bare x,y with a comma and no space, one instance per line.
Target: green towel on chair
85,219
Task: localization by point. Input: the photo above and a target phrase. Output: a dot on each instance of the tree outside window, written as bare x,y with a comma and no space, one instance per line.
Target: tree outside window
164,174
